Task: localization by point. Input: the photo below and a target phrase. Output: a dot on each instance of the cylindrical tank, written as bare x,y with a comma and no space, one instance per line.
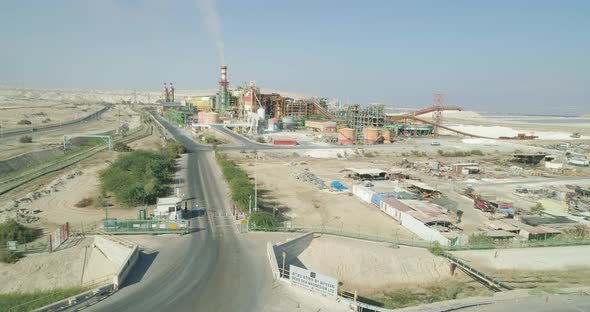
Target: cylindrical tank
273,124
288,122
261,112
346,136
211,118
371,135
201,117
386,135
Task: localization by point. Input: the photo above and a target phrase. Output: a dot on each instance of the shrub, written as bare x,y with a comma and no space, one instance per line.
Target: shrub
8,256
24,122
85,202
537,209
260,140
13,231
100,202
264,219
121,147
26,139
436,249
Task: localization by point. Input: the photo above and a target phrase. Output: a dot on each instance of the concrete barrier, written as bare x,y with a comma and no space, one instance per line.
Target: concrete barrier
121,253
272,258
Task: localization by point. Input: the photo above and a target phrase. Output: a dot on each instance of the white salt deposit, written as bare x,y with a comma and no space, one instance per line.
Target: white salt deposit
499,131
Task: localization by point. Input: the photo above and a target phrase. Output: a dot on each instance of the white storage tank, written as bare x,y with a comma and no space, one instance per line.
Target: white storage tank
261,112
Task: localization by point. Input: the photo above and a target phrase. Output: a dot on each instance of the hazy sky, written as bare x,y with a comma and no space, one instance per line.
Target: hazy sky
509,56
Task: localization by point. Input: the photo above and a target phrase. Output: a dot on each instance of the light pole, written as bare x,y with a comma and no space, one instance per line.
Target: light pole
256,183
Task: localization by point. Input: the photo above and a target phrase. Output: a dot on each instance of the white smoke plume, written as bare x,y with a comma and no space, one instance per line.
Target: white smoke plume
212,22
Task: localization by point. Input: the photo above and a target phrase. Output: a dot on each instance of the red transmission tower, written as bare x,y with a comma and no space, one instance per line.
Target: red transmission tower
437,114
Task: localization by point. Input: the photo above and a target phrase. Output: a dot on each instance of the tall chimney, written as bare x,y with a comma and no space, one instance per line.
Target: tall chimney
223,93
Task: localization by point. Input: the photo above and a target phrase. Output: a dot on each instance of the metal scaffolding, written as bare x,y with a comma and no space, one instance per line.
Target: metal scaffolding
359,118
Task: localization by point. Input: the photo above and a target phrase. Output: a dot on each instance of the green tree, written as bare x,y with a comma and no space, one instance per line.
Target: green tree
537,209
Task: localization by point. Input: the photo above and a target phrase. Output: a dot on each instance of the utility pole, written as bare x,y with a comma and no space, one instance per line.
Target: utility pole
256,183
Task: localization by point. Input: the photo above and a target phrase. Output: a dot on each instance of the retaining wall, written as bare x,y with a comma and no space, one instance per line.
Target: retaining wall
272,258
292,248
123,255
28,159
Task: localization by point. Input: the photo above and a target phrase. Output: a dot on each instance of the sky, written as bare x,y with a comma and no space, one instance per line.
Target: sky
493,56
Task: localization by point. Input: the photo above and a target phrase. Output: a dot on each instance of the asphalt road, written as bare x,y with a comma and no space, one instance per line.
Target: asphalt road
211,269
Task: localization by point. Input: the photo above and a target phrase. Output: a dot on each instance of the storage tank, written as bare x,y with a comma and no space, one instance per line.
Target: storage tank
211,118
288,122
346,136
273,124
201,117
371,135
261,112
386,136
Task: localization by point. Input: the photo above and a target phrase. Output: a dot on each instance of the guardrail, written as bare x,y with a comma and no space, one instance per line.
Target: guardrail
357,235
11,183
424,244
483,278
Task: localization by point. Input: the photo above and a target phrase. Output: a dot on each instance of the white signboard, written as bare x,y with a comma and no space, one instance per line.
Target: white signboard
313,281
11,245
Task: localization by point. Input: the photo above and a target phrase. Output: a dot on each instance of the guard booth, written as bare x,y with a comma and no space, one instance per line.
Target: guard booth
169,208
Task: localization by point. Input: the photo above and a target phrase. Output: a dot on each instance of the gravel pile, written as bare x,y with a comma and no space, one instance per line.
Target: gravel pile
309,177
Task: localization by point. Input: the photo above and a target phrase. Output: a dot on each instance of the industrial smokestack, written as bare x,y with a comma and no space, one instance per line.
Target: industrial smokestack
165,93
223,82
223,102
171,93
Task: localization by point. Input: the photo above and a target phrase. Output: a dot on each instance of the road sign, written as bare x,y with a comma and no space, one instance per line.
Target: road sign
316,282
11,245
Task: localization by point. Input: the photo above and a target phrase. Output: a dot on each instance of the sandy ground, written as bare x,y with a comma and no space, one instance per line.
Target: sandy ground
58,206
109,121
370,267
534,259
76,263
307,206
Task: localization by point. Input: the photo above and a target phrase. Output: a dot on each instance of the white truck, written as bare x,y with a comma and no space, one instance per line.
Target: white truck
169,208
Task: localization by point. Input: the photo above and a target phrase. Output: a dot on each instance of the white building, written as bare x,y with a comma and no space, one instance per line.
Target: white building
169,207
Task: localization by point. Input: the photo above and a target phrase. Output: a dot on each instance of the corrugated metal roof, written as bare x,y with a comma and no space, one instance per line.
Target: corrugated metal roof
369,171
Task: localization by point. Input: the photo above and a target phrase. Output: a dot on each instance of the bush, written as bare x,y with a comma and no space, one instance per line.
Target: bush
121,147
13,231
46,120
260,140
100,202
139,177
264,219
85,202
537,209
436,249
24,122
8,256
26,139
461,153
